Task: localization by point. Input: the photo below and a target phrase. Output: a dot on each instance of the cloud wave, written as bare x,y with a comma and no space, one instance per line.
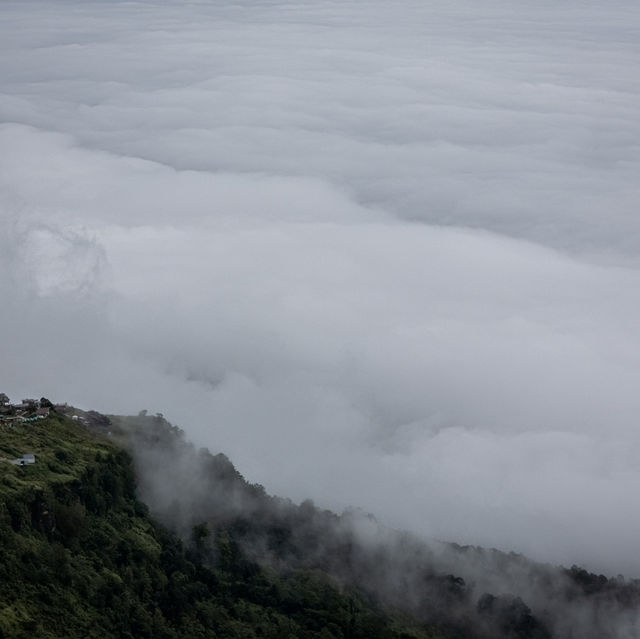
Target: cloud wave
382,255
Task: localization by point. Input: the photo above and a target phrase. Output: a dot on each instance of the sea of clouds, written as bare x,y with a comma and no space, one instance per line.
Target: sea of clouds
382,254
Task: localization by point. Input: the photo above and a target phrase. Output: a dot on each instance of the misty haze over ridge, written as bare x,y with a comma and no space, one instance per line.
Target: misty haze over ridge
380,254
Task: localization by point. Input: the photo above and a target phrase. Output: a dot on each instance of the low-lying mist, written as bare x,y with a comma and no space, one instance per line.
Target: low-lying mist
381,255
470,591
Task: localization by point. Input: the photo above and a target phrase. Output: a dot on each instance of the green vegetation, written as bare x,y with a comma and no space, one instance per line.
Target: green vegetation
206,492
81,557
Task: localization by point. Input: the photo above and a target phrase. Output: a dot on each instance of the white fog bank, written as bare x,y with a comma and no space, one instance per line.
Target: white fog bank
380,254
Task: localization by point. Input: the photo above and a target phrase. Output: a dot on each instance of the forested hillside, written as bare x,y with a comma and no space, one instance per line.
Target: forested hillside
81,557
121,528
464,591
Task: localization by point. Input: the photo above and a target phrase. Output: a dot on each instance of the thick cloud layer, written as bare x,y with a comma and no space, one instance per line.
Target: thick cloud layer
381,254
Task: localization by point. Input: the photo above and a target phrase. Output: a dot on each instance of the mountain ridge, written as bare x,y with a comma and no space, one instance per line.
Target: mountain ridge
114,506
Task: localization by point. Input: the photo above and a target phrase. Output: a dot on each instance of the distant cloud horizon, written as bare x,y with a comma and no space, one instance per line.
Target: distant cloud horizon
381,255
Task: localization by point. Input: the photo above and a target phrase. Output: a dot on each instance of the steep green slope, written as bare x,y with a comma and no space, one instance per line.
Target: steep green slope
466,592
186,487
81,557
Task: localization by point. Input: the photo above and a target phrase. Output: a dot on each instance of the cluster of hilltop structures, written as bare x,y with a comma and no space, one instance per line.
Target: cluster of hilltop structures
27,410
31,410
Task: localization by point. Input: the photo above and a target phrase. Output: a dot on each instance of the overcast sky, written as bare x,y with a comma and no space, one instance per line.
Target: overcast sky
382,254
